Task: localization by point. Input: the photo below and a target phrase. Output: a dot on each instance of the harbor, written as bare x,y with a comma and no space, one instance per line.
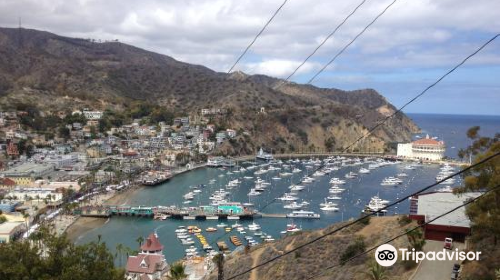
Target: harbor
325,188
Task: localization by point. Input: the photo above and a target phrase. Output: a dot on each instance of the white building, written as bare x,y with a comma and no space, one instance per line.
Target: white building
93,115
423,149
35,194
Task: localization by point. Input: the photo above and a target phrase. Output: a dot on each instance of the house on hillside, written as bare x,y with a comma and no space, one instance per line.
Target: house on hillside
150,263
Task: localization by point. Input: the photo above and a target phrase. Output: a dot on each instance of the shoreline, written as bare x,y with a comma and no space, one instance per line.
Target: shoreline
81,225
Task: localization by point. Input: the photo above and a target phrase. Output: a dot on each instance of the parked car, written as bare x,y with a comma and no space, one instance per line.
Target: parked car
455,271
448,243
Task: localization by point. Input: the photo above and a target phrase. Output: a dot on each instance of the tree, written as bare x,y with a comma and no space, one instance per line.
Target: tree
177,272
484,213
62,260
376,271
219,261
416,239
139,240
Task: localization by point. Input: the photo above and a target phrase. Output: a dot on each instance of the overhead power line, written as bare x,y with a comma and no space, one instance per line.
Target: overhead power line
363,217
351,42
257,36
326,39
424,91
405,233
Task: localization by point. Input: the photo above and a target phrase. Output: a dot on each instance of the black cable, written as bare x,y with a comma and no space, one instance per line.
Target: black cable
365,217
324,41
352,41
405,233
257,36
425,90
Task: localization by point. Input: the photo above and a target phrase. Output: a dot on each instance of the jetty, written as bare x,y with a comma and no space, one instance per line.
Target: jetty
191,213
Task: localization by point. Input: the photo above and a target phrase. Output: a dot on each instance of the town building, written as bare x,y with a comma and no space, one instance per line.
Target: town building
150,263
422,149
428,206
36,194
92,115
26,173
10,231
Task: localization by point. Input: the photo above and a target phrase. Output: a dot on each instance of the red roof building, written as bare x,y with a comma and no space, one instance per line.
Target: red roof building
422,149
150,263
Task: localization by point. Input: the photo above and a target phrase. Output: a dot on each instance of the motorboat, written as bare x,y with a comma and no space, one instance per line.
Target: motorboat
296,188
254,227
337,181
288,197
364,171
293,206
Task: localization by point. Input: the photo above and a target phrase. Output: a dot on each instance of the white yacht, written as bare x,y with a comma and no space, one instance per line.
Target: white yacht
254,227
329,207
263,155
288,197
296,188
391,181
364,171
293,206
296,170
351,175
337,181
253,192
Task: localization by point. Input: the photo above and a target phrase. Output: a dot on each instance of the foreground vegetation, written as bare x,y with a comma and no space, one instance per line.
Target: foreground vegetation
45,256
484,213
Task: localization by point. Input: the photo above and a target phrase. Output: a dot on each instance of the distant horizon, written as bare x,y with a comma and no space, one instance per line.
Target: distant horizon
451,114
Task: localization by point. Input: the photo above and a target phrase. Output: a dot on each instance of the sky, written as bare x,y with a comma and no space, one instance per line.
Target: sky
407,49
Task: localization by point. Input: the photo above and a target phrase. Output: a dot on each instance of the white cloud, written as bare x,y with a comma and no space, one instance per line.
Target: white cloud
214,32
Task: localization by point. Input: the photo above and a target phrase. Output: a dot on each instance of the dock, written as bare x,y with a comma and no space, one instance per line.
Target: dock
159,211
264,215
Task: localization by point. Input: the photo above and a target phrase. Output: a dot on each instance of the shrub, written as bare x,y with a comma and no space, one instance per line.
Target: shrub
352,250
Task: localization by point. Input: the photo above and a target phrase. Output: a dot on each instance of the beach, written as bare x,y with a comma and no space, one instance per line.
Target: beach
75,226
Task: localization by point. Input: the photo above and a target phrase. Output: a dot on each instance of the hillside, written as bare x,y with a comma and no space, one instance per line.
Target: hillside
60,73
316,257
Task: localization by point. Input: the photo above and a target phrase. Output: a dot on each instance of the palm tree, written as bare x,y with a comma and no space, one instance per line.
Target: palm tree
26,218
219,261
119,250
376,271
139,240
177,272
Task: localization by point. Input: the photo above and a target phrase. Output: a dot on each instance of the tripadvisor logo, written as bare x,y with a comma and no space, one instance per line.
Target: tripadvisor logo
387,255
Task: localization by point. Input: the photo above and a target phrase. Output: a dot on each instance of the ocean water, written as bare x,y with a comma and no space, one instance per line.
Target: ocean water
126,230
452,128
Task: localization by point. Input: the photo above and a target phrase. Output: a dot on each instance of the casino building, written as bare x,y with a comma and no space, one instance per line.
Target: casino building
423,149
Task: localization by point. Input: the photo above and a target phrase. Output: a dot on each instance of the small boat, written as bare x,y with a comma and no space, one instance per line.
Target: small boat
235,240
211,229
221,225
228,229
254,227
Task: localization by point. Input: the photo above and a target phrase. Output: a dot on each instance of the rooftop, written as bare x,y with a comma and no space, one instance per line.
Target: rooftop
152,243
8,227
432,205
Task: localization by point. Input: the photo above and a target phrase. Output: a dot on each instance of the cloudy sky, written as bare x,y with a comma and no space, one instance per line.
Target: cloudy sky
408,48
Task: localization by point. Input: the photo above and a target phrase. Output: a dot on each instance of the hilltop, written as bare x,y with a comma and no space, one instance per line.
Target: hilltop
61,73
321,254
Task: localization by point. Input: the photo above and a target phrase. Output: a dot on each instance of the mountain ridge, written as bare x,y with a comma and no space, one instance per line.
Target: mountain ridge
58,73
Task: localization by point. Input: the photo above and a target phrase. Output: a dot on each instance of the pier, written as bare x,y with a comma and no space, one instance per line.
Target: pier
198,213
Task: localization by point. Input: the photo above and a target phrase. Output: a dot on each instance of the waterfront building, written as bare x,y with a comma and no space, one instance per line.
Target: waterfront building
150,263
427,206
422,149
